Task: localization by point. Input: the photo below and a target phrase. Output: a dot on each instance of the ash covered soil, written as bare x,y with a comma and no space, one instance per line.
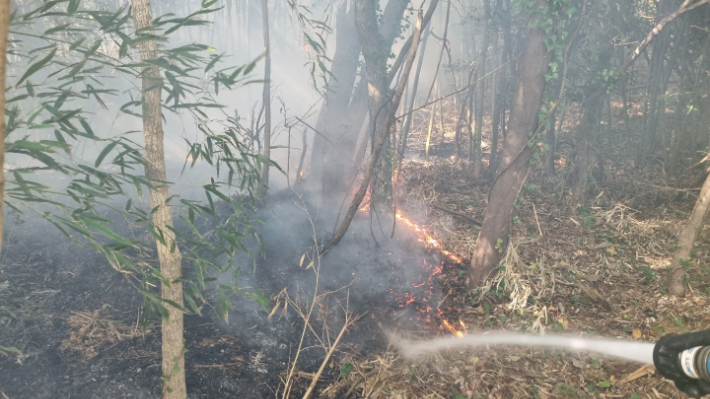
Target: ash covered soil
77,321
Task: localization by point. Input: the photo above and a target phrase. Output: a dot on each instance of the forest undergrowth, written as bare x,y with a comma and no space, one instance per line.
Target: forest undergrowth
590,268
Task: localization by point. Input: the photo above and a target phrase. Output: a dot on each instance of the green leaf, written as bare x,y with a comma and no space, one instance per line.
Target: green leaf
105,152
37,66
345,369
105,231
73,6
8,349
56,29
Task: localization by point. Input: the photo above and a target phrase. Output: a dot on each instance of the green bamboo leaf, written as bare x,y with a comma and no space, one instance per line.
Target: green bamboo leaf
77,43
56,29
105,152
73,6
76,227
87,128
37,66
193,305
106,232
30,89
175,305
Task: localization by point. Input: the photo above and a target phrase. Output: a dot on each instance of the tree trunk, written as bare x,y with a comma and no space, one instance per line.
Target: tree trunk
498,118
514,163
676,284
329,160
481,93
266,96
4,27
169,255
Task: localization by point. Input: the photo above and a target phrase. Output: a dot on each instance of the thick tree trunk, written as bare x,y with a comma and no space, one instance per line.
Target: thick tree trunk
676,284
328,161
266,95
169,255
4,27
514,162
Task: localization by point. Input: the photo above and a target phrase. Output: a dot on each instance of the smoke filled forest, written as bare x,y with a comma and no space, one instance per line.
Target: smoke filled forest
289,198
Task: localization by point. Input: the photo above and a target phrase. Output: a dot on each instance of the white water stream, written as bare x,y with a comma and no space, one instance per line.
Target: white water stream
641,352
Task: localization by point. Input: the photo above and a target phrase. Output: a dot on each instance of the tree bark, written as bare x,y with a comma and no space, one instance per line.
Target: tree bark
4,27
169,256
328,161
514,162
266,96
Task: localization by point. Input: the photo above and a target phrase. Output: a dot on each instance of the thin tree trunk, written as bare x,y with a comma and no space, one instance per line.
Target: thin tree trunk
266,96
493,237
499,92
481,93
431,127
4,27
168,254
412,98
550,141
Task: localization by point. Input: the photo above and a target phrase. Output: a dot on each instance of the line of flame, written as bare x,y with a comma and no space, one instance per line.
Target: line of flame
428,239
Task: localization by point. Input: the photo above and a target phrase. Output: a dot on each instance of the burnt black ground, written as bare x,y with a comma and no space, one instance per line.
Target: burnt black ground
48,277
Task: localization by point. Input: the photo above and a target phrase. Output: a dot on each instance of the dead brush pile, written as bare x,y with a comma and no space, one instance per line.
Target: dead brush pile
89,331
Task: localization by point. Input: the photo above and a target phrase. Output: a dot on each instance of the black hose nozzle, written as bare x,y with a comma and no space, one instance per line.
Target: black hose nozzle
685,359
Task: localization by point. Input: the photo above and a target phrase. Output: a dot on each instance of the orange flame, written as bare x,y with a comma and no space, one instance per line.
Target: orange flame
365,202
428,239
459,333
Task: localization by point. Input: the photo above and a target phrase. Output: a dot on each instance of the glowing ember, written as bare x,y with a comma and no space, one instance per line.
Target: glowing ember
459,333
365,202
428,239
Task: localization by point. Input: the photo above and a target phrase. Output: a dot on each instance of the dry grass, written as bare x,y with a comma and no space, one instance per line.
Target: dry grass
89,331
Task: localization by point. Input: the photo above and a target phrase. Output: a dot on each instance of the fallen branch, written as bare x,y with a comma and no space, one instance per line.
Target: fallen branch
461,215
